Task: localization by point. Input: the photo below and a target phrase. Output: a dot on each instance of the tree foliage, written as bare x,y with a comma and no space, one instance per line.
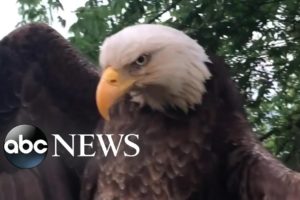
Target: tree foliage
259,40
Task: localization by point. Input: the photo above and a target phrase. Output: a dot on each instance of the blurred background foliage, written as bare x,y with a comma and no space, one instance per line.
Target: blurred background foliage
258,39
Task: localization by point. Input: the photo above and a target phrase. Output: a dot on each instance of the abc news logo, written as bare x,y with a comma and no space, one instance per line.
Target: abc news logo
26,146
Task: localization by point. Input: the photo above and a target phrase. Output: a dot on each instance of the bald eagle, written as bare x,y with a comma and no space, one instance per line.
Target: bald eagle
195,140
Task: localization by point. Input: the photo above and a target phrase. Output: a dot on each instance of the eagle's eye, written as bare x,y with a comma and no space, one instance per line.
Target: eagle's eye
142,60
139,63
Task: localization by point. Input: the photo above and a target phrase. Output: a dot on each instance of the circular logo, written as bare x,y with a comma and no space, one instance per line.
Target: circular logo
25,146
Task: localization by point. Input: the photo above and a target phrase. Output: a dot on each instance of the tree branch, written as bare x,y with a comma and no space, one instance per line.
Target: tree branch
168,8
266,136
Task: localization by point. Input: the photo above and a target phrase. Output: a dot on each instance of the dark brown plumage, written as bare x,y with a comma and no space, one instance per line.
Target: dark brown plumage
209,154
46,83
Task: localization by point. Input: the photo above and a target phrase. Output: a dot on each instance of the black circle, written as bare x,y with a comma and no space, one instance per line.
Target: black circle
25,146
141,60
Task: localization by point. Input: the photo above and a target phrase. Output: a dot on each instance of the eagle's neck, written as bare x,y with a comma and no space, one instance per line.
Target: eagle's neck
176,160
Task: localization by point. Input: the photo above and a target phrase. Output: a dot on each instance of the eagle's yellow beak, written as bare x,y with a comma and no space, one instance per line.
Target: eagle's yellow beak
113,85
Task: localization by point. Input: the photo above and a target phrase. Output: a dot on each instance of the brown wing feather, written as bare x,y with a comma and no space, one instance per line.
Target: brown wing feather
44,82
249,170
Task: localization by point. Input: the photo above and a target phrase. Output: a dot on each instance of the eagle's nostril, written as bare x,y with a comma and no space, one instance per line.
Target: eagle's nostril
112,81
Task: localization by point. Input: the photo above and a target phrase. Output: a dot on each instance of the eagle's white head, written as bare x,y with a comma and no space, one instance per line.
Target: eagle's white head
157,65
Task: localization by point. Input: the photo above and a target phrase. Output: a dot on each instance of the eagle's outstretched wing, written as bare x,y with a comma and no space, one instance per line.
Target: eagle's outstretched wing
46,83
